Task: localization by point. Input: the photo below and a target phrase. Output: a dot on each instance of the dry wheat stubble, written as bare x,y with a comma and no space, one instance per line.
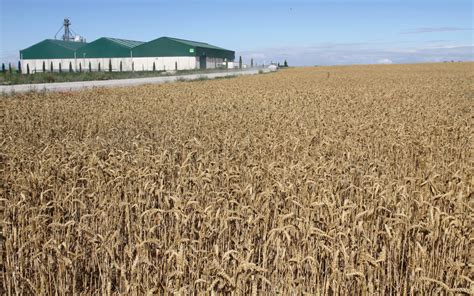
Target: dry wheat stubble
357,182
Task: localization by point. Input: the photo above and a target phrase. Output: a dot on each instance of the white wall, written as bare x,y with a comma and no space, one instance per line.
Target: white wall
37,65
140,64
104,64
164,63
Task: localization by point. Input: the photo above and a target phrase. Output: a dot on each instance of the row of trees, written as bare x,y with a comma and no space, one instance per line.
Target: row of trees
285,63
10,68
51,68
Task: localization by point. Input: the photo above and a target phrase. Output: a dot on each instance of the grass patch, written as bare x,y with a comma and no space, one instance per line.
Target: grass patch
8,78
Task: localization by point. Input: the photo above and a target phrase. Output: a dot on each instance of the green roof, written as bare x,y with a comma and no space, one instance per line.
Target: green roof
106,47
67,44
51,49
175,47
195,43
125,42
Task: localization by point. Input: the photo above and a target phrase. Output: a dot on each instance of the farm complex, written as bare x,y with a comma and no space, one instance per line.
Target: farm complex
112,54
353,180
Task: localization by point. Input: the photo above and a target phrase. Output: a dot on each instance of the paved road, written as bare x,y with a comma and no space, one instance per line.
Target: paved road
68,86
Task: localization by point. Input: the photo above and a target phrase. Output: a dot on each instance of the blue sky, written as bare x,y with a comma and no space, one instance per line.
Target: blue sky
303,32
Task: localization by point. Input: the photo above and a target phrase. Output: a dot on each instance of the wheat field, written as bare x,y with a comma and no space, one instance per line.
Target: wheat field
309,181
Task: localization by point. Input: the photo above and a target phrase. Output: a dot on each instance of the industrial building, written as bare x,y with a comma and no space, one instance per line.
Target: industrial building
72,53
58,52
178,54
107,52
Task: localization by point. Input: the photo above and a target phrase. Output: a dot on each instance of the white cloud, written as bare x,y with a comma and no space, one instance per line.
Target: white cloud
257,55
9,57
361,53
435,30
385,61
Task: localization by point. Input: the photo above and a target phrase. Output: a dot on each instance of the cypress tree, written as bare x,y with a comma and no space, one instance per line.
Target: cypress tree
285,64
19,67
133,66
3,67
27,69
44,66
240,62
70,67
51,67
120,66
90,67
98,68
176,66
154,67
251,63
10,67
80,68
110,65
60,69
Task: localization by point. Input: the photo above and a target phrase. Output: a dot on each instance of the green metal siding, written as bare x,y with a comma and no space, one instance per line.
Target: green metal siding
107,48
173,47
216,53
51,49
195,43
120,48
164,47
208,50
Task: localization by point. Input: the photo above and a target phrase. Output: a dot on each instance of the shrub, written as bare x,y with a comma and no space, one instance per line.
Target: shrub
50,78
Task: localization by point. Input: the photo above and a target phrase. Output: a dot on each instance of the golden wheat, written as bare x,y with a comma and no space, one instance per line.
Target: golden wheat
337,180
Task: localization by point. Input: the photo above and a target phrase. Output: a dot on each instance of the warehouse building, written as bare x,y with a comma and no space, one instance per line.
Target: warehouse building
114,54
104,53
51,52
168,53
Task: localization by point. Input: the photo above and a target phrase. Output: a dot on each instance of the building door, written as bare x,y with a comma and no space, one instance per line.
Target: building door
202,62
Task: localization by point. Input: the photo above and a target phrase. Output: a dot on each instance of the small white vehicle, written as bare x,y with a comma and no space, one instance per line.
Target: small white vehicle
273,68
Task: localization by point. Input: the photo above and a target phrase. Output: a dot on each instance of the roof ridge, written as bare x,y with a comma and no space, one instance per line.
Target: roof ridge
113,38
64,43
196,43
188,40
